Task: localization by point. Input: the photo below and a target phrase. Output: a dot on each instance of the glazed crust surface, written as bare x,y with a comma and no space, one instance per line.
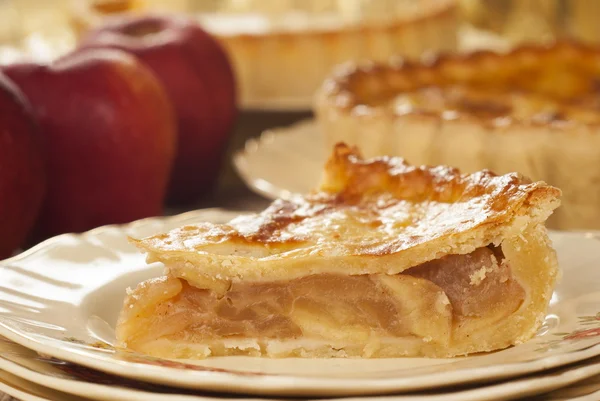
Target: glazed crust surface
368,217
534,85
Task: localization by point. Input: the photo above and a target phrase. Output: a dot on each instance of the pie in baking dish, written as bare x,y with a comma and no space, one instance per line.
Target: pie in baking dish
535,110
384,259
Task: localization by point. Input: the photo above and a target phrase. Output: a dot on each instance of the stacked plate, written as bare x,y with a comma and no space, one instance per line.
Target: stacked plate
59,303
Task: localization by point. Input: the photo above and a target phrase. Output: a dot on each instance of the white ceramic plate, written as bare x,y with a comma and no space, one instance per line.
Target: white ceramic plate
62,299
283,161
580,379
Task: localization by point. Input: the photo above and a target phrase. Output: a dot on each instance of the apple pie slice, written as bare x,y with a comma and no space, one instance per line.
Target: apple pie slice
385,259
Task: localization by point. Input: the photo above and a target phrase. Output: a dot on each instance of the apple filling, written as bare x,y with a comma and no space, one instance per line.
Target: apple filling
424,303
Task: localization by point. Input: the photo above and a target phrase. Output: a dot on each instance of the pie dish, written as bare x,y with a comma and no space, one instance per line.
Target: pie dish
383,260
534,110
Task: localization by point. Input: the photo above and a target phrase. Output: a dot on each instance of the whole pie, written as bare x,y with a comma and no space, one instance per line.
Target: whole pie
535,110
384,259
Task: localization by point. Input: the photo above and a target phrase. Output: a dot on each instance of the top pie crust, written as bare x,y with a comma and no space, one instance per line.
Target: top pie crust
555,84
389,216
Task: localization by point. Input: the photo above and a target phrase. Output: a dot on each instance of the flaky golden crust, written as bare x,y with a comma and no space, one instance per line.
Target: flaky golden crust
558,82
384,207
352,178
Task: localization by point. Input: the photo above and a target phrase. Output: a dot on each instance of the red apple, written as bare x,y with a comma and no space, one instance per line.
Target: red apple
110,134
197,74
22,178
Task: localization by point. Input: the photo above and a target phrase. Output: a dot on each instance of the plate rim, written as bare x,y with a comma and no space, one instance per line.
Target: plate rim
288,385
7,387
240,158
506,388
51,382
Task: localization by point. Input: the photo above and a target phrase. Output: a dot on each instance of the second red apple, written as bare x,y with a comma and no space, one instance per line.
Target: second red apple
199,79
22,175
109,134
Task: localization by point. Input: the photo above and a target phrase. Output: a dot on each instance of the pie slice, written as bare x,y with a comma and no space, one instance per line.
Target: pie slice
385,259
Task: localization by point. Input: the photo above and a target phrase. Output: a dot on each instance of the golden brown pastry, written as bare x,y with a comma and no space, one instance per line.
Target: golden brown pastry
282,50
535,110
385,259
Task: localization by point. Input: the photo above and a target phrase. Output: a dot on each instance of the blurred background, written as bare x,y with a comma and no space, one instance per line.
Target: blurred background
43,29
279,53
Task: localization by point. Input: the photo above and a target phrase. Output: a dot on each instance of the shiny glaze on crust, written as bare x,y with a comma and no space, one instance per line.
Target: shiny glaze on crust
364,208
561,81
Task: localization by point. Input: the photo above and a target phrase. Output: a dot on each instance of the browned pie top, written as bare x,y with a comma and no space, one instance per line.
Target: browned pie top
364,208
532,84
